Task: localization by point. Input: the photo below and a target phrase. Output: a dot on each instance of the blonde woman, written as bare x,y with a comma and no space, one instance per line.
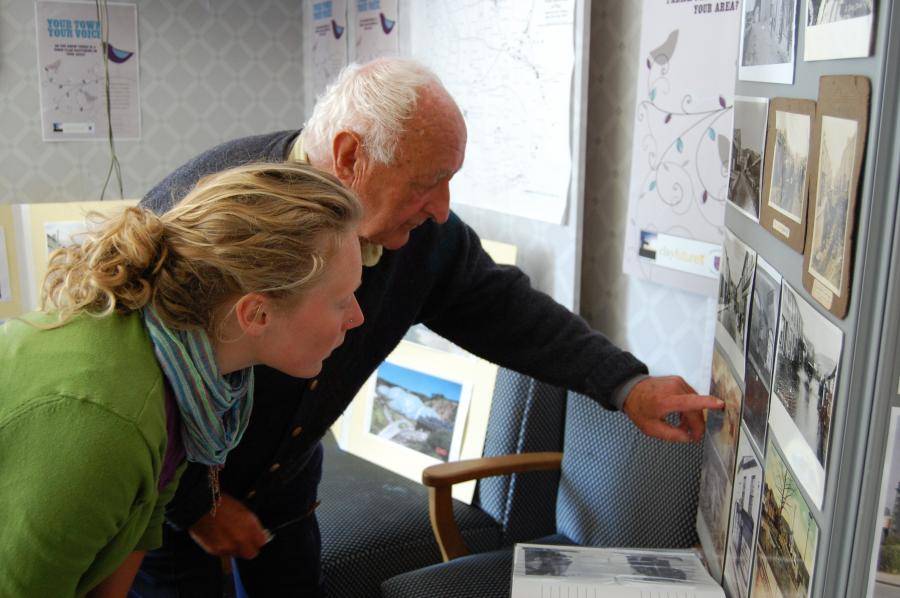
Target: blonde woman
142,355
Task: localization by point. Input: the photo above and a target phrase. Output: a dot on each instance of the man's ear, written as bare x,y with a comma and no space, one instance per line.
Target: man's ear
347,151
253,313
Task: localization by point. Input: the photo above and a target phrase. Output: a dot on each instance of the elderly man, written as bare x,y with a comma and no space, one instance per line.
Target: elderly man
392,133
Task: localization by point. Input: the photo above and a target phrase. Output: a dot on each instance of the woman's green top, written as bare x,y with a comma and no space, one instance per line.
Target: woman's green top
82,441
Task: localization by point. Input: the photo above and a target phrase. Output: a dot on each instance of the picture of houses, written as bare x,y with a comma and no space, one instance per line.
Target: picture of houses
415,410
788,534
748,143
745,505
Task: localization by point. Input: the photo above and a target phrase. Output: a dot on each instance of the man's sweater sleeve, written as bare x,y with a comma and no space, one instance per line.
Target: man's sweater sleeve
492,311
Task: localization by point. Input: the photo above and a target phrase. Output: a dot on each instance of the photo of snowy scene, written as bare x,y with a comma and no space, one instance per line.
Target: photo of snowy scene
415,410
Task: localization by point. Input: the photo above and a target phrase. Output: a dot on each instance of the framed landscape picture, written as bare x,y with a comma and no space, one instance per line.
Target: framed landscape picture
836,163
422,407
790,130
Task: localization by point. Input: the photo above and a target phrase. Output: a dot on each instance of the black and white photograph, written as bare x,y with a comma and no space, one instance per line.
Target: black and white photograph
884,580
837,157
746,499
806,369
764,319
733,309
790,164
768,34
5,287
547,561
416,410
755,410
712,510
788,535
748,144
838,29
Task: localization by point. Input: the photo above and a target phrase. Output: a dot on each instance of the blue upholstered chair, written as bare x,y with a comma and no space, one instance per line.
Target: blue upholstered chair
617,487
375,523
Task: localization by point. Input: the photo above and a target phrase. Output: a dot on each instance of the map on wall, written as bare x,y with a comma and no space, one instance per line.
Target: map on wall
682,143
509,65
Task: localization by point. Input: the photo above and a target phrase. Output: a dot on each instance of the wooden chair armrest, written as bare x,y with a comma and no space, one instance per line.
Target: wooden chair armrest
440,479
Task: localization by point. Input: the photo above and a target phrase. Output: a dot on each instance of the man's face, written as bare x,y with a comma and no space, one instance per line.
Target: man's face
400,196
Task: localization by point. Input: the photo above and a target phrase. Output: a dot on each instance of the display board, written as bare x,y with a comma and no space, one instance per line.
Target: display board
819,380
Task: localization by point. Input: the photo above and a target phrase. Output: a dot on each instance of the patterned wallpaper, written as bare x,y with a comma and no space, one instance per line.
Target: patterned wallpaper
670,330
211,70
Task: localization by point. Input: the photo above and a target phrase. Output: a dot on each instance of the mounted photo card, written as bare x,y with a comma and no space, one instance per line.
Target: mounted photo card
786,181
838,29
835,167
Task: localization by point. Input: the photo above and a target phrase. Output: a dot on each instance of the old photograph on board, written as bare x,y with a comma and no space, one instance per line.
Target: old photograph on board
837,157
722,425
764,319
755,410
712,510
746,498
416,410
806,369
748,144
767,47
788,535
733,310
885,572
790,164
838,29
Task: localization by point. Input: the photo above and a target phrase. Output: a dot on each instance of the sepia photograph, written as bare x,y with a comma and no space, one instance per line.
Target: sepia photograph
722,425
789,164
755,411
415,410
735,287
745,504
788,535
837,158
747,147
806,367
713,503
884,580
838,29
764,320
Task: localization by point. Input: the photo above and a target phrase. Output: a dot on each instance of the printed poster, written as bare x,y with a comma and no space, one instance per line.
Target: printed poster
682,143
328,51
72,62
376,23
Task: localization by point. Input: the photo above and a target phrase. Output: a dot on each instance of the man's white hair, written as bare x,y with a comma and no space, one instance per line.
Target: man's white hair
373,100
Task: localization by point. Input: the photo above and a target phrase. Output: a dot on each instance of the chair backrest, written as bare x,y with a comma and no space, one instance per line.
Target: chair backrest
619,487
526,416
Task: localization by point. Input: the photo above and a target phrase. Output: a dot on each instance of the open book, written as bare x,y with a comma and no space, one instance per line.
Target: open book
542,571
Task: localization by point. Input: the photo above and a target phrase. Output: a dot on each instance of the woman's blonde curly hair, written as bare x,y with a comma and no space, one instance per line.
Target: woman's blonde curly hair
265,228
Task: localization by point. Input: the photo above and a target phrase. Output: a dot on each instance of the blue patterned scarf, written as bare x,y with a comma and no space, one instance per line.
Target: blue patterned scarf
215,409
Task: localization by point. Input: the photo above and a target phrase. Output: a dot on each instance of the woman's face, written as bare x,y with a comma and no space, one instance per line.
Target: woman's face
301,335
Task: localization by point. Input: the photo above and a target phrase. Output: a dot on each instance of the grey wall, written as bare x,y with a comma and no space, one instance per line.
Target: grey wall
211,70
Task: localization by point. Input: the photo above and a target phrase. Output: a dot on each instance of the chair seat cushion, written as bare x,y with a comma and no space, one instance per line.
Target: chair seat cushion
485,575
375,525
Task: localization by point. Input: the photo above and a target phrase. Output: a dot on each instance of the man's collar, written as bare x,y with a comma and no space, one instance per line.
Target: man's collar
371,252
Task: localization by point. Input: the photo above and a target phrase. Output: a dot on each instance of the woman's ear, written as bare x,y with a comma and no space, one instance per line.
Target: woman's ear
253,313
